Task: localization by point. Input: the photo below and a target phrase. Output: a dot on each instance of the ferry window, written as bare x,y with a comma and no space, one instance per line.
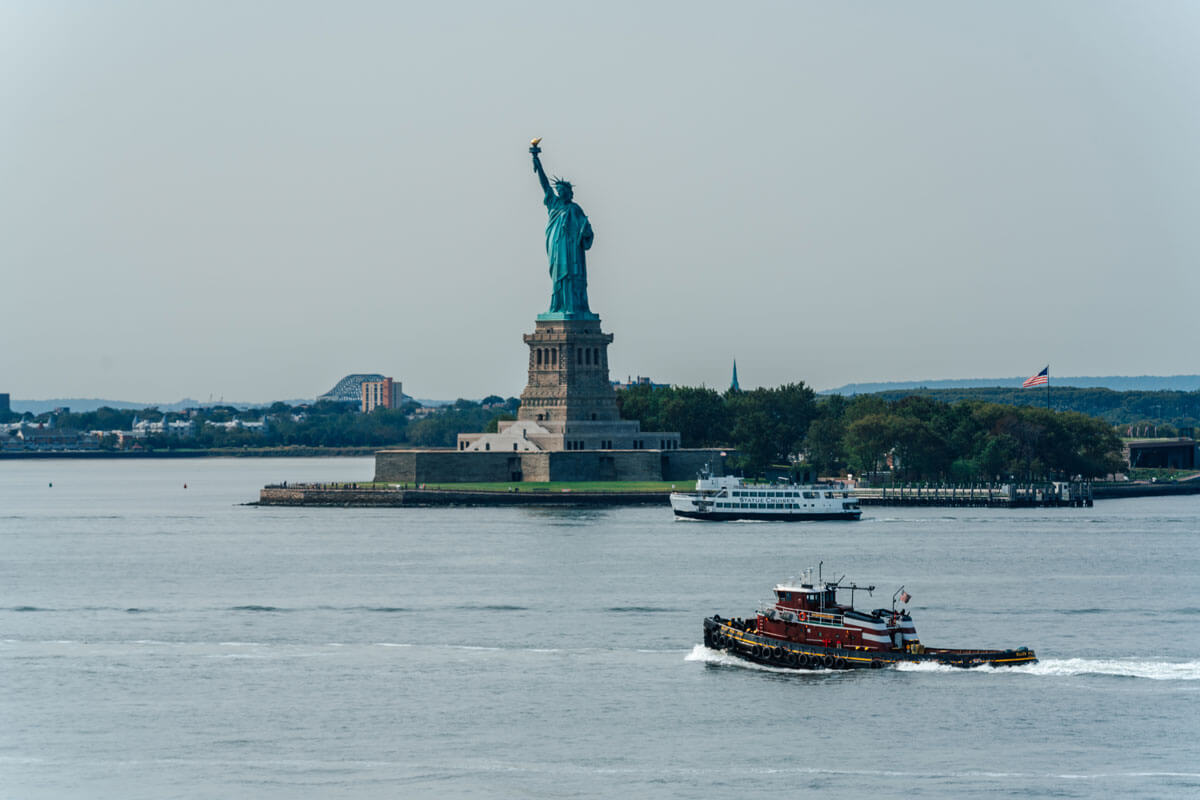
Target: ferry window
808,495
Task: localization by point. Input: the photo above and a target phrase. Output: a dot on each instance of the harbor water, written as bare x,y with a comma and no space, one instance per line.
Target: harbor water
161,641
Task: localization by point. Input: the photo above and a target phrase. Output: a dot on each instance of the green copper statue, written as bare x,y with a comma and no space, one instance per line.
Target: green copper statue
568,236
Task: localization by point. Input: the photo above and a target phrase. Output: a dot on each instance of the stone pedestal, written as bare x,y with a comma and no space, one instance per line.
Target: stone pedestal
568,374
568,403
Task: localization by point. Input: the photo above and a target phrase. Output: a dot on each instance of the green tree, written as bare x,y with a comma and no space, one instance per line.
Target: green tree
823,446
770,424
493,425
698,414
868,440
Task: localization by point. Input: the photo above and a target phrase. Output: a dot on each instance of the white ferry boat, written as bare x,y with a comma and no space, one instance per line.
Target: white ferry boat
730,497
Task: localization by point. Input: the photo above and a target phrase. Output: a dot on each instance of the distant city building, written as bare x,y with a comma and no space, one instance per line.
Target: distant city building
5,404
25,436
381,394
260,427
349,388
638,381
179,428
733,385
128,439
1179,453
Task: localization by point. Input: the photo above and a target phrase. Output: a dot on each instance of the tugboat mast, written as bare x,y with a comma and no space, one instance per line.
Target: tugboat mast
854,587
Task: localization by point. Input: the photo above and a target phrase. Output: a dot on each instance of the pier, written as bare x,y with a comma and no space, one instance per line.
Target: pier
1074,494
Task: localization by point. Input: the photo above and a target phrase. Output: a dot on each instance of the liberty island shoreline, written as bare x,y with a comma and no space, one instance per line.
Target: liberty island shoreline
359,496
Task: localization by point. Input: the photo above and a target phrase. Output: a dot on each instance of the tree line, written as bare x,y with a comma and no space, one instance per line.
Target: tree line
915,438
321,424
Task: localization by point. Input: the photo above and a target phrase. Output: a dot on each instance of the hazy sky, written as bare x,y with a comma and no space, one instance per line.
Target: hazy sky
249,200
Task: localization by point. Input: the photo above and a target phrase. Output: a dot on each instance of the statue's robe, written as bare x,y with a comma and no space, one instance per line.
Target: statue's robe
568,236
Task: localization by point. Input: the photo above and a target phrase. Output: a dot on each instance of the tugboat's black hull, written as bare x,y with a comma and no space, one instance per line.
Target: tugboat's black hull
723,634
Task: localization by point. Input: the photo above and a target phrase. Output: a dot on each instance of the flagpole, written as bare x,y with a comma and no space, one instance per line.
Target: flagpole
1047,387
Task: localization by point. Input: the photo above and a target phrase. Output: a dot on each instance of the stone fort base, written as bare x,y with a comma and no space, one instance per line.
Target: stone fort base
453,466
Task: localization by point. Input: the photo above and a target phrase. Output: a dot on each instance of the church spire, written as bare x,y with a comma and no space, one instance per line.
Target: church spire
733,386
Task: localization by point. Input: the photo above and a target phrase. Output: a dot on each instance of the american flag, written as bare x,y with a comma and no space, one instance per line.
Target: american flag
905,597
1041,379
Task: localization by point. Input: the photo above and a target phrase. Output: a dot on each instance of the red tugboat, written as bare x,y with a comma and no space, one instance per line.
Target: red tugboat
806,628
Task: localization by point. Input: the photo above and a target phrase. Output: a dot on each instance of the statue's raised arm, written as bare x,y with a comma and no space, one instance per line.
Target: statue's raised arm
537,168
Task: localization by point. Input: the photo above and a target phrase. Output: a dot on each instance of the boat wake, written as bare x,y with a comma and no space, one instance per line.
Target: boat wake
1069,667
1050,667
723,659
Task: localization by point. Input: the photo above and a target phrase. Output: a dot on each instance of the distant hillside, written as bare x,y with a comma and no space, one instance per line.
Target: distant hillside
1118,383
81,405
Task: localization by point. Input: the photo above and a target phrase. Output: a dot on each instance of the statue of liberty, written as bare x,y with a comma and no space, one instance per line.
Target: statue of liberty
568,236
